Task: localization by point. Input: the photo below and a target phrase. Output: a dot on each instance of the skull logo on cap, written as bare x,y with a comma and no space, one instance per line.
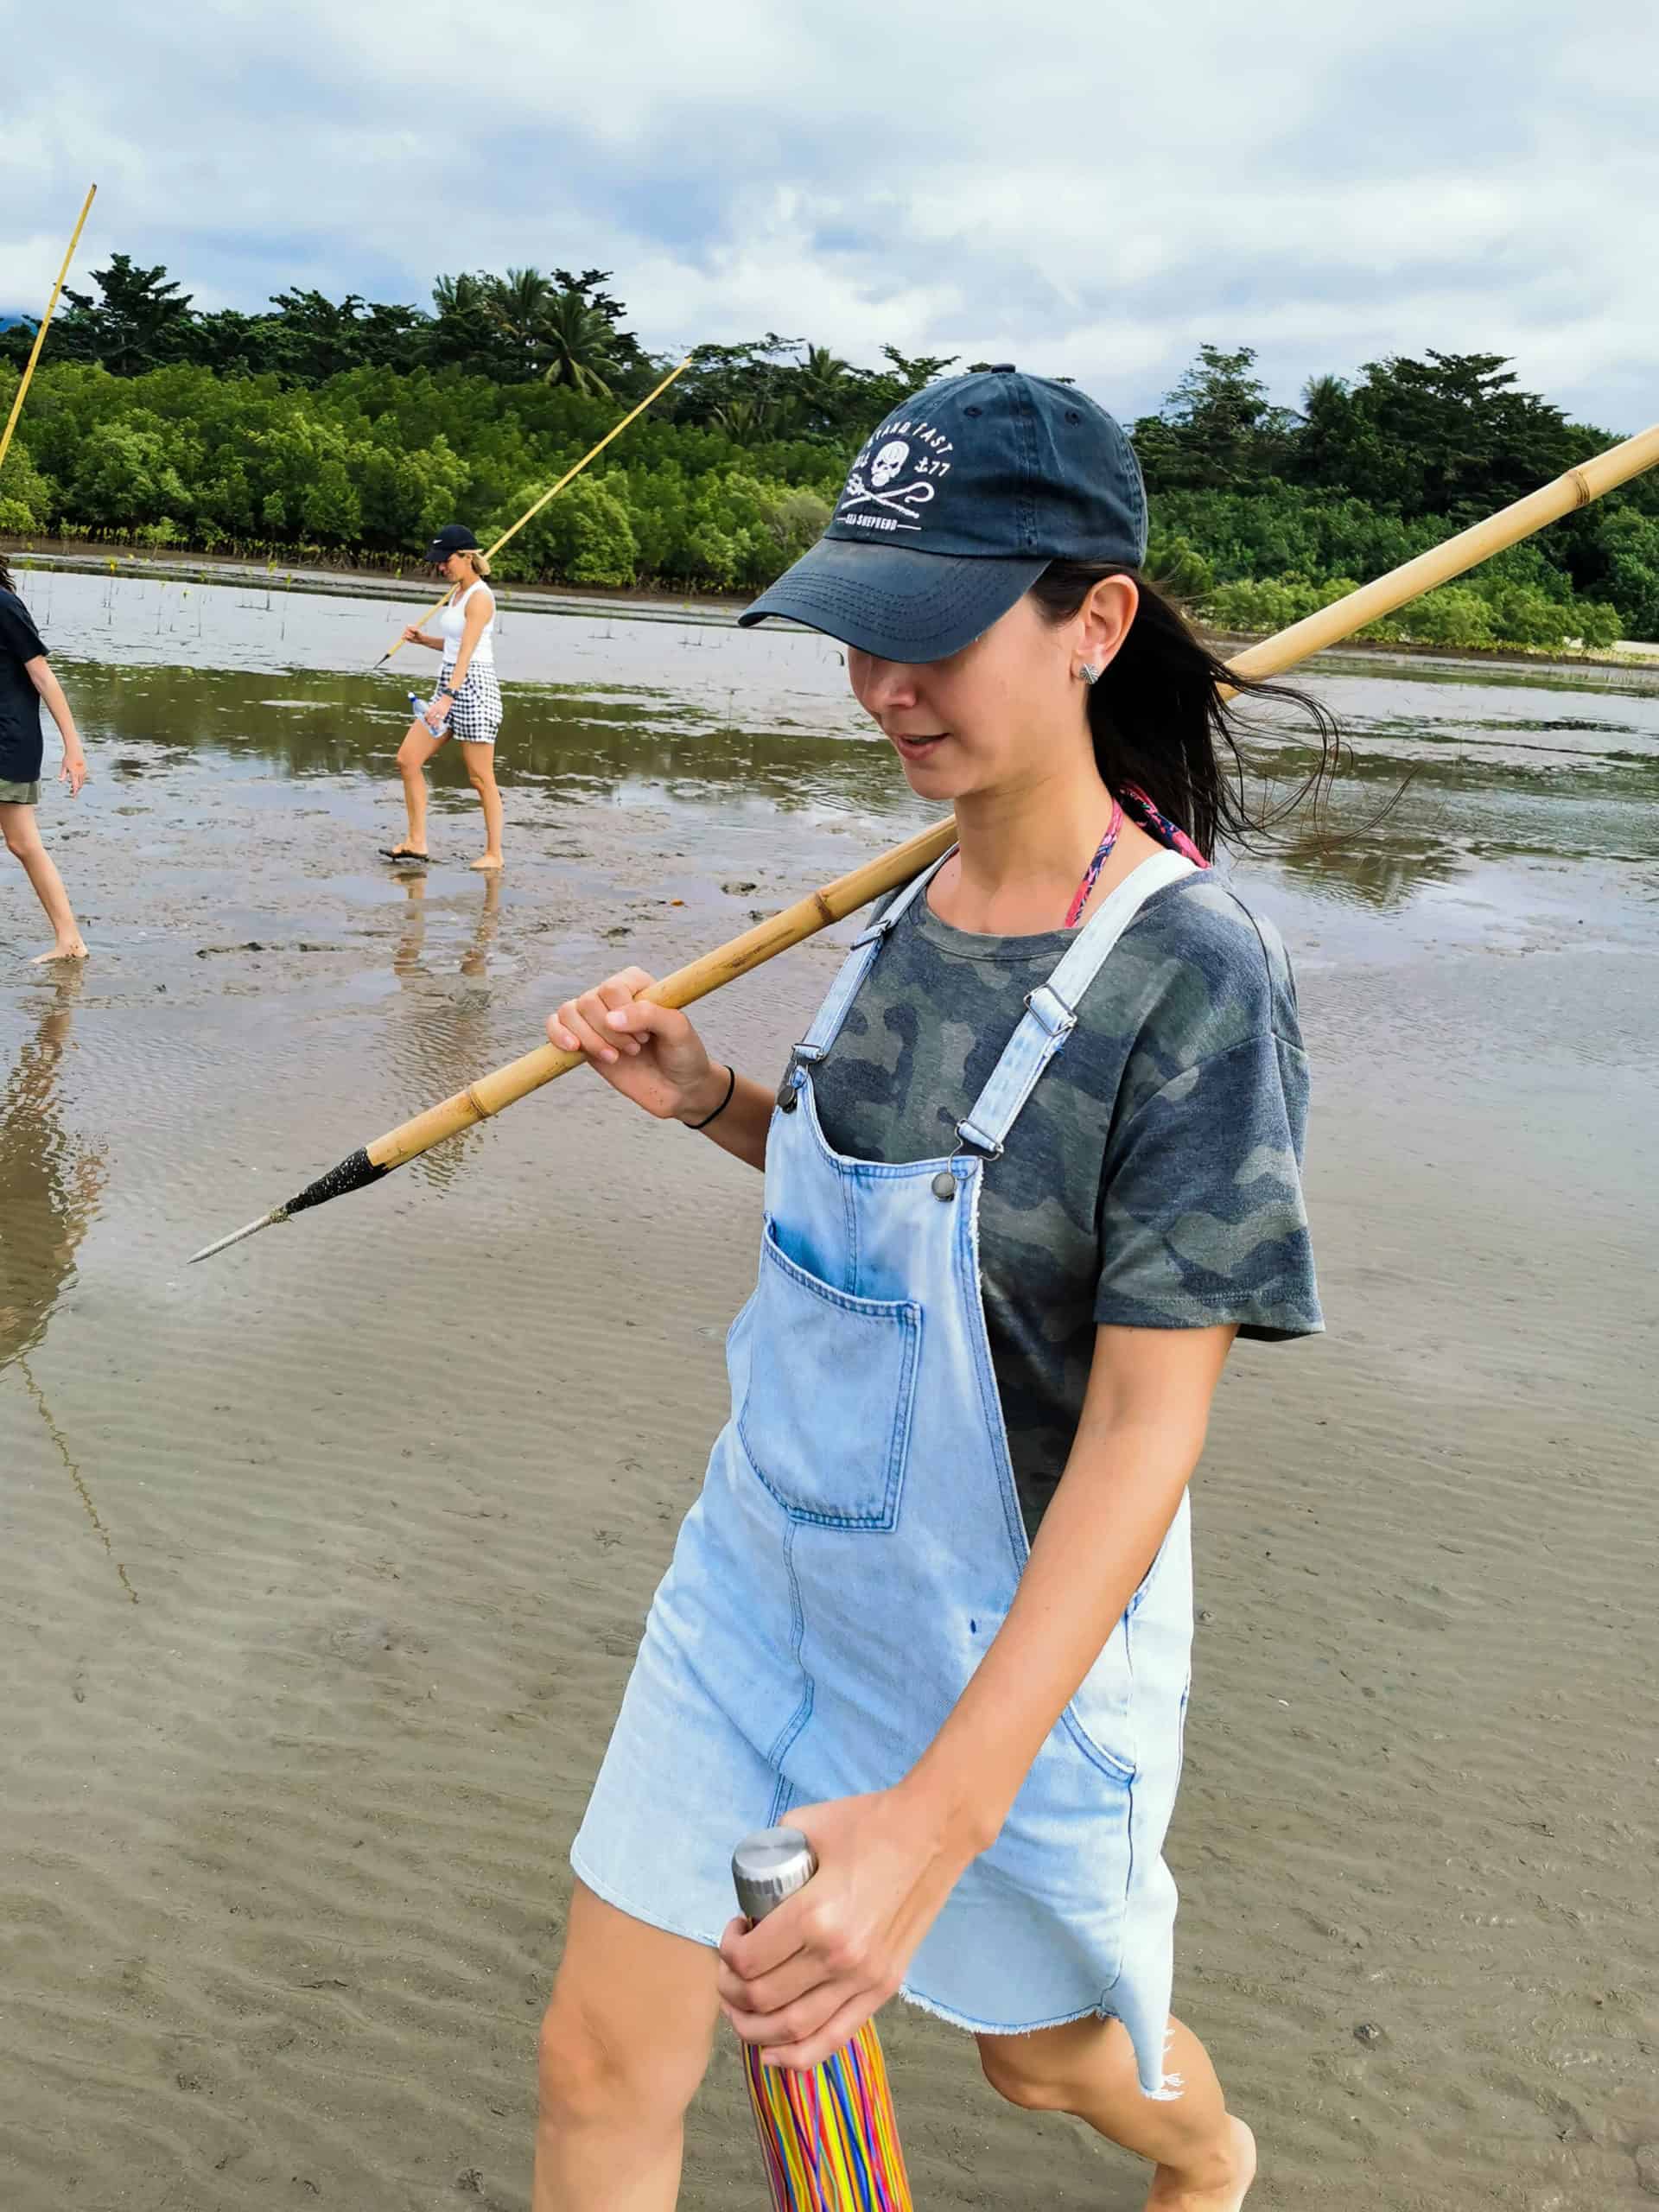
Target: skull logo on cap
889,462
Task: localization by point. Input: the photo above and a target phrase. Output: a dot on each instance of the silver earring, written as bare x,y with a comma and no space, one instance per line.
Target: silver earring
1088,672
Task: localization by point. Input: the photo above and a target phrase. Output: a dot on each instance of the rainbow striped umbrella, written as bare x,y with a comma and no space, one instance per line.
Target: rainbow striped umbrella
829,2137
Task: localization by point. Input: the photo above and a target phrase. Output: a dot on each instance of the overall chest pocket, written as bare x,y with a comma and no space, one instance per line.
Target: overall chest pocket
826,1417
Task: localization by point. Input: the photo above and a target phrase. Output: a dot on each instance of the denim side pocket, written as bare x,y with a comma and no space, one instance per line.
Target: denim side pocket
826,1417
1100,1718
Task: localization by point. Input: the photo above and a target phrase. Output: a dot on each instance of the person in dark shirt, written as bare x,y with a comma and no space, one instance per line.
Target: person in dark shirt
26,680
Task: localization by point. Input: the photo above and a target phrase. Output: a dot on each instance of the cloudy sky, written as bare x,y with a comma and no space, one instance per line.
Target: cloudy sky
1088,191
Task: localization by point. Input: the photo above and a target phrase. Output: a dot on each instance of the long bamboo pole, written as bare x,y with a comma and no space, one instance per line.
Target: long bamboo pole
553,491
835,901
40,335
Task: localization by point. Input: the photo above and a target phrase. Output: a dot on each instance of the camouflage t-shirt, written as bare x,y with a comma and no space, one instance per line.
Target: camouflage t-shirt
1152,1179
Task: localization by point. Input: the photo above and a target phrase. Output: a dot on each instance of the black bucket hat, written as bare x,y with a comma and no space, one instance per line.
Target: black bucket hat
454,538
954,507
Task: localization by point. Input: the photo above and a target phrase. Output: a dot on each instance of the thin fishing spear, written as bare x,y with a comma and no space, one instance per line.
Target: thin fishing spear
40,335
531,513
1577,488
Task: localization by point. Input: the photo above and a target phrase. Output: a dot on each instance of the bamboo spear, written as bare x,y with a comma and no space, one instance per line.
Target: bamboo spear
531,513
40,335
849,893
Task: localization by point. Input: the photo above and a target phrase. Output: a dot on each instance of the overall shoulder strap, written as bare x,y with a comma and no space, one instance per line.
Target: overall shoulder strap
1052,1009
826,1026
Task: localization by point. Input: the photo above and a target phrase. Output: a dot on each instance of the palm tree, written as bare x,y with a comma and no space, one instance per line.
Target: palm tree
1323,395
519,302
578,343
459,295
748,422
821,380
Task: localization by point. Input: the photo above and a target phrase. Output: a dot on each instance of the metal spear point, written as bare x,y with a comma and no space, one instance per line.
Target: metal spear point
849,893
265,1220
349,1175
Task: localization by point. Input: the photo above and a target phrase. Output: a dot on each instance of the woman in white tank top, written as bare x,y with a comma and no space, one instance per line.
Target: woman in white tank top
467,704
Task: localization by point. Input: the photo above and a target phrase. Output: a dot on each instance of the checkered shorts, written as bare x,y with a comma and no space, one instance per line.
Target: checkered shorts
476,715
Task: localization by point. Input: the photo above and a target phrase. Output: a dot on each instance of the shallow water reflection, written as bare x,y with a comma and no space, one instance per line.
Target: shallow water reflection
51,1179
1375,872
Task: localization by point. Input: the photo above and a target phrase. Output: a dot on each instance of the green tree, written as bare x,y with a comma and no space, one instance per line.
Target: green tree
584,536
140,319
17,340
233,344
824,387
912,371
1217,429
466,330
28,500
519,304
748,422
1450,435
576,343
314,337
629,362
123,475
1629,567
756,374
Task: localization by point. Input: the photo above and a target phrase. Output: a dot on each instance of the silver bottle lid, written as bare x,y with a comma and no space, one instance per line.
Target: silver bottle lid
769,1866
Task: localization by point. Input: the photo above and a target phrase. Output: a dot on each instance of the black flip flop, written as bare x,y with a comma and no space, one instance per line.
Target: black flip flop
387,853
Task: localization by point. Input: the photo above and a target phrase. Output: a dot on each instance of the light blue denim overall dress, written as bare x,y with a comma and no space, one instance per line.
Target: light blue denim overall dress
856,1547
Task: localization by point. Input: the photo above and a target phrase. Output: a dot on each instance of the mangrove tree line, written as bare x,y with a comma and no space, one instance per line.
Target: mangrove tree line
349,430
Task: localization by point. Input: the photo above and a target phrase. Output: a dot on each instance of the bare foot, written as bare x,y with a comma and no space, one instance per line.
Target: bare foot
489,859
1225,2194
73,948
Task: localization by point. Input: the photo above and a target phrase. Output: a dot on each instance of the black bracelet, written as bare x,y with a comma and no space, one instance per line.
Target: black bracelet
731,1086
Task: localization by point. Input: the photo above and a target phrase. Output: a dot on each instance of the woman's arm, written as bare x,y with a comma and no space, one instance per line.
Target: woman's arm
813,1971
414,636
479,612
74,770
1142,1432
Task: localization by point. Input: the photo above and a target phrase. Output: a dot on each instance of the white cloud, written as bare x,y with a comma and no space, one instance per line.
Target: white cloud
1091,193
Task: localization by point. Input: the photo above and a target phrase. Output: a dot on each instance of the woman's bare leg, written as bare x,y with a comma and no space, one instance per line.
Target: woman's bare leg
1205,2159
417,749
481,774
22,837
624,2042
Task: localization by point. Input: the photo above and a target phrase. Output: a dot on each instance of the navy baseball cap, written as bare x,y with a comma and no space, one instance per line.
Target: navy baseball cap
454,538
954,507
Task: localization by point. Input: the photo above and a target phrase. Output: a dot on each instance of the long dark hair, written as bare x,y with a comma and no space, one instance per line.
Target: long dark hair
1160,718
6,584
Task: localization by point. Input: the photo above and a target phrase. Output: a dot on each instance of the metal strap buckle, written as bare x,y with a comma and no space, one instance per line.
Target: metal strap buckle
944,1183
1059,1023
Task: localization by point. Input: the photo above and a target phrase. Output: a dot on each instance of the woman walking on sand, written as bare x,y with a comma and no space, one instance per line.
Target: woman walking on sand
1033,1167
25,682
467,704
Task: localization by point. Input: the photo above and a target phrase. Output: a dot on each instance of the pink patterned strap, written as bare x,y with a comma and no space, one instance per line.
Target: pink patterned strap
1091,874
1160,827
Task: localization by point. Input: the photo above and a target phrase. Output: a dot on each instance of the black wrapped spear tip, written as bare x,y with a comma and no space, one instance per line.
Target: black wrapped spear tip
354,1173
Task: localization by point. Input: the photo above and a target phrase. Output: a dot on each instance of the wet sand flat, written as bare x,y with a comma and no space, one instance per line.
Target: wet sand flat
326,1560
